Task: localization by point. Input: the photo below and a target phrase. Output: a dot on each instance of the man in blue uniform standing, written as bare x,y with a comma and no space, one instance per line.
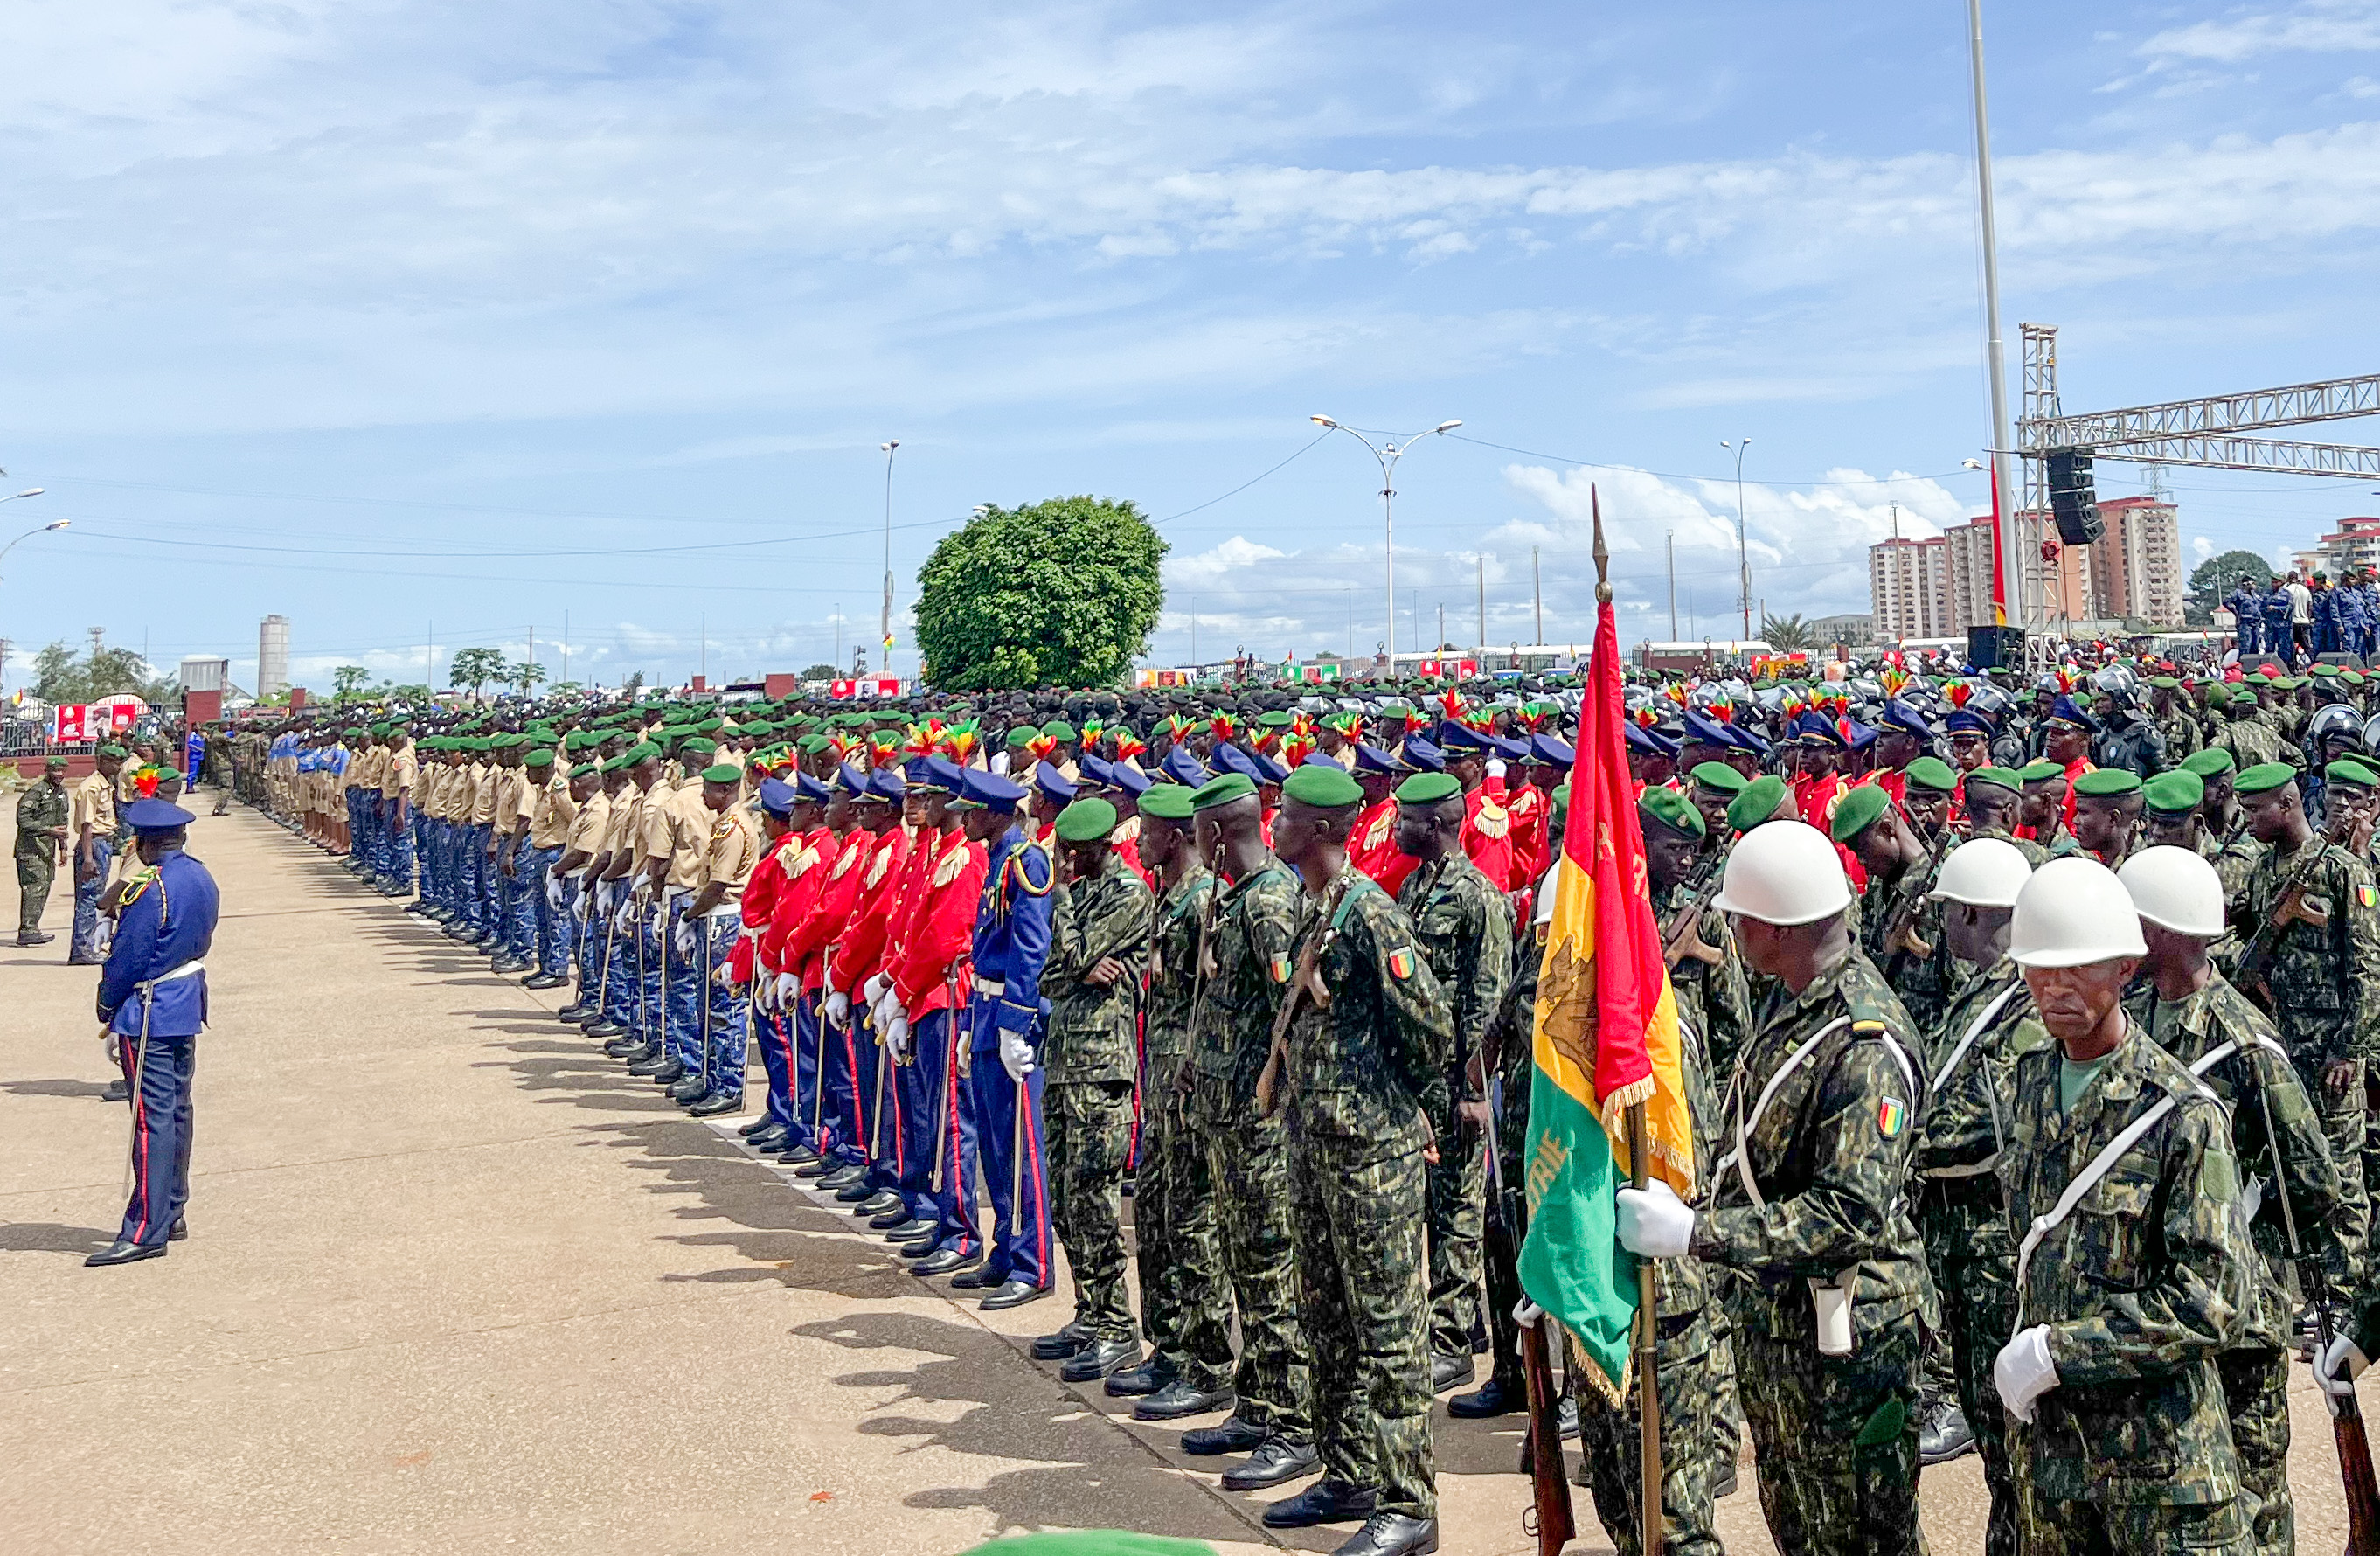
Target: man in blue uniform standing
152,1001
2280,636
1006,1020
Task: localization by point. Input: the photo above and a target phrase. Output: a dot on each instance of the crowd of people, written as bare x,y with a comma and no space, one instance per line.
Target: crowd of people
2026,1028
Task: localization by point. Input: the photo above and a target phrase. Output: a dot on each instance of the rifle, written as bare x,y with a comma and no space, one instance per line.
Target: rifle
1305,983
1901,937
1552,1521
2346,1415
1681,931
2288,908
1203,966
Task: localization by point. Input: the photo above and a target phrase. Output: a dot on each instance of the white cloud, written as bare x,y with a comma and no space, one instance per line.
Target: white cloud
2317,26
2200,547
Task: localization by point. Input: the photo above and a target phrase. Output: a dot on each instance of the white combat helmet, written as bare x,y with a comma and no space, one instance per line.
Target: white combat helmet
2174,889
2073,912
1784,874
1987,872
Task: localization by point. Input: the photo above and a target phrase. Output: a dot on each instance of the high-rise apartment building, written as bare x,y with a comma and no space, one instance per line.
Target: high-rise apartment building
2136,566
1909,588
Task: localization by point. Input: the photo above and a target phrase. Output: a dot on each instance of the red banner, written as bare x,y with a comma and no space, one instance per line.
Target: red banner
70,723
1455,668
866,685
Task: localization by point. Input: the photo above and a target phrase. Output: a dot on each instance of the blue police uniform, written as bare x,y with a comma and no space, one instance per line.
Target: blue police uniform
153,994
2248,615
1011,946
2278,608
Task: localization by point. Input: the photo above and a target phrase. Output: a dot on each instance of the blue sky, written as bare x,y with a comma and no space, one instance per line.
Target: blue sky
435,322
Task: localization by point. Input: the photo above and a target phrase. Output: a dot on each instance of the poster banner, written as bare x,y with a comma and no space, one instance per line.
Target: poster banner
70,723
866,685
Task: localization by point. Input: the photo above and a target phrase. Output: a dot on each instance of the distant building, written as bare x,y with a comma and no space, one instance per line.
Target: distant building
2354,545
1851,631
1972,566
2136,566
273,656
1909,588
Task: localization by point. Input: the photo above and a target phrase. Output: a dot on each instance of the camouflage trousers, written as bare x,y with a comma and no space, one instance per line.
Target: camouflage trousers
2051,1527
1362,1285
2343,1124
1835,1436
1091,1135
1457,1201
1247,1161
1185,1304
1974,1274
1611,1445
36,870
2256,1395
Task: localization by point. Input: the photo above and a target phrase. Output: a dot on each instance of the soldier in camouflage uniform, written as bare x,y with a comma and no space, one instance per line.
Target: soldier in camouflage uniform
1244,972
1362,1080
1993,797
1185,1297
2189,1010
1099,943
2320,983
1970,1056
2223,839
1894,915
2176,722
2245,733
42,831
2127,1298
2107,805
1465,927
1815,1216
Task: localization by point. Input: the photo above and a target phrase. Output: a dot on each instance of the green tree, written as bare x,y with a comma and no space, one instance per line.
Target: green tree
1061,593
559,688
634,684
820,673
476,667
61,676
413,692
1787,634
524,676
348,680
2213,578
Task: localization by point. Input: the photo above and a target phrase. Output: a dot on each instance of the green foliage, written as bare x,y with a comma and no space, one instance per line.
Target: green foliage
820,673
413,692
1787,634
560,687
1061,593
62,676
348,680
524,676
476,667
634,684
2213,578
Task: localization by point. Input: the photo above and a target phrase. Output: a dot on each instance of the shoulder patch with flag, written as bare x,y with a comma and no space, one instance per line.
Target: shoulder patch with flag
1401,963
1279,968
2365,895
1890,1115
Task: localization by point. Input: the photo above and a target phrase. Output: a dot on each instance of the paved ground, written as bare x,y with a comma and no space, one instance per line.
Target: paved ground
456,1283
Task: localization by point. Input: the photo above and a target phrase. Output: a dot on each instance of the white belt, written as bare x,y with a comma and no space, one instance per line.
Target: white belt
992,986
188,969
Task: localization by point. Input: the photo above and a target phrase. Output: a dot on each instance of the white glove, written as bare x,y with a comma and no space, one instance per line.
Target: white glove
1653,1222
838,1009
896,1039
788,990
554,892
2338,1365
1015,1056
685,937
2023,1372
873,989
883,1008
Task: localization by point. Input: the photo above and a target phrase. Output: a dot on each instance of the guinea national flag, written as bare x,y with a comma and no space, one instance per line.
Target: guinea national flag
1606,1040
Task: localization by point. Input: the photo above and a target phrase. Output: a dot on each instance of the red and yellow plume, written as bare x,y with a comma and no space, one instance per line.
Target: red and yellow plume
1676,692
1092,730
145,782
842,743
1223,726
1454,705
884,748
961,739
1894,680
923,738
1957,693
1294,747
1179,725
1647,717
1041,747
1127,744
1721,708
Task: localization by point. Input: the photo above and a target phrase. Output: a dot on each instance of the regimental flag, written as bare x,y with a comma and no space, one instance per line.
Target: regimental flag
1607,1038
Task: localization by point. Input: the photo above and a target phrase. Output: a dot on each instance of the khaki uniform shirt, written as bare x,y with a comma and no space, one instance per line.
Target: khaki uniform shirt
591,826
551,815
484,781
687,822
94,805
735,848
400,772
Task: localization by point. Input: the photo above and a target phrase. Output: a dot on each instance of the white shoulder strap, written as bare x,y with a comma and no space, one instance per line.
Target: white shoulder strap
1740,1155
1984,1019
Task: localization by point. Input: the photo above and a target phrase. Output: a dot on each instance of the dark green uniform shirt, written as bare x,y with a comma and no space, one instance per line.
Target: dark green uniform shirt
1179,916
1094,1032
1465,927
1370,1072
2325,981
40,820
1255,925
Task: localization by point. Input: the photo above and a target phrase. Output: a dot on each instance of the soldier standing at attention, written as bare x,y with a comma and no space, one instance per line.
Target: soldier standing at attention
2189,1010
1971,1054
93,823
1363,1079
2130,1278
1099,943
1813,1208
43,818
1185,1300
1899,870
1465,927
152,1003
1244,971
2321,984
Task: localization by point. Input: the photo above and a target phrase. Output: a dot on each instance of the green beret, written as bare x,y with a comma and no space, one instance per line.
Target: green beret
709,726
2352,677
2000,777
812,743
1087,821
1858,810
584,767
1719,777
2174,793
1224,790
1059,729
698,746
2262,777
644,750
1672,810
114,751
2164,683
1277,719
2212,763
616,764
1323,786
539,757
1021,737
1429,788
2108,782
2347,770
2040,773
722,772
1932,773
1757,803
2218,695
1167,802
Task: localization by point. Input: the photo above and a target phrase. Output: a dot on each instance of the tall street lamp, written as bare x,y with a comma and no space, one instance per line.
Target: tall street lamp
29,534
1387,454
884,624
1742,549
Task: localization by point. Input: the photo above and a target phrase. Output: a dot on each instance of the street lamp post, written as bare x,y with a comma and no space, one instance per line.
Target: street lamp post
1387,454
885,624
38,530
1742,548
